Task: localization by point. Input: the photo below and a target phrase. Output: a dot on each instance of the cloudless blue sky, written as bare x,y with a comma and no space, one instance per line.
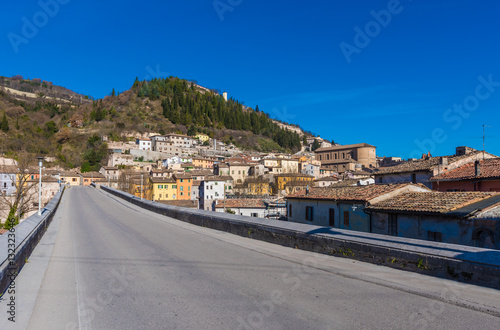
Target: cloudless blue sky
285,56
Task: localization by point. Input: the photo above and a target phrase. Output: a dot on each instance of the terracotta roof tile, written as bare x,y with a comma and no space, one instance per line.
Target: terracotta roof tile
351,193
241,203
430,202
421,164
489,168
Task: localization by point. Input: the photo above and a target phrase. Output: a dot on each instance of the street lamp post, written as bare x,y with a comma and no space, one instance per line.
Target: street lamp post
142,176
40,164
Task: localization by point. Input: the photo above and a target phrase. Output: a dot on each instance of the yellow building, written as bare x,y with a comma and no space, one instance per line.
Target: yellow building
258,187
282,179
162,189
202,137
203,162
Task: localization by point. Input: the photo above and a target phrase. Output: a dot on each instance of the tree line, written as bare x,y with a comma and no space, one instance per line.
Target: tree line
183,104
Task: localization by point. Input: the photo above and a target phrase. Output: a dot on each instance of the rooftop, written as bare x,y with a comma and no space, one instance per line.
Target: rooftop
161,180
431,202
421,164
350,193
241,203
348,146
489,168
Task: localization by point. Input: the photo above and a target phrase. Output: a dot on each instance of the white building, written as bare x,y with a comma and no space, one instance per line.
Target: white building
211,189
144,144
8,175
248,207
182,141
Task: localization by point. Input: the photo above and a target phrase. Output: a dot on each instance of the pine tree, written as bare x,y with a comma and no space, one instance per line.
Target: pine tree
4,125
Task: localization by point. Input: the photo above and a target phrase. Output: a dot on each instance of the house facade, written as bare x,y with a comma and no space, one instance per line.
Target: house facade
211,189
482,175
341,207
448,217
248,207
423,170
184,183
344,158
8,175
162,189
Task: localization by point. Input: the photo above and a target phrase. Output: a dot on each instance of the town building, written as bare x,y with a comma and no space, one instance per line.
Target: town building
184,183
482,175
162,189
144,144
467,218
281,180
91,177
342,207
344,158
247,207
211,189
110,172
422,170
8,175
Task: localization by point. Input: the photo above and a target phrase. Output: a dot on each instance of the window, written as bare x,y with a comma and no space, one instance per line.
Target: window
414,178
189,194
182,194
434,236
174,186
346,219
393,224
331,217
160,186
160,195
189,188
290,210
182,180
255,215
309,213
182,188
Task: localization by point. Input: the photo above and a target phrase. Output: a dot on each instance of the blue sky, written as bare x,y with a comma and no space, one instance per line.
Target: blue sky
407,76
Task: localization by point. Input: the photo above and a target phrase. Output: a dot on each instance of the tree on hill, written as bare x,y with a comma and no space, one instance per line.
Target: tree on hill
315,145
4,124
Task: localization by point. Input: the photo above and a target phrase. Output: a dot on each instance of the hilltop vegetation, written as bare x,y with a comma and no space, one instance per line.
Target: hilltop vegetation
54,121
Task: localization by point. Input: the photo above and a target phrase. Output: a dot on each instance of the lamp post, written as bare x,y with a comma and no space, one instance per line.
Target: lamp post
40,164
142,176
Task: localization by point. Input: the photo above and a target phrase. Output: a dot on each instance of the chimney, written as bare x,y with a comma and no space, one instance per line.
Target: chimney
477,169
307,190
444,161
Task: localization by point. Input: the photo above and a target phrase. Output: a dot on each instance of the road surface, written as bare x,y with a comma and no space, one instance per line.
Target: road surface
114,265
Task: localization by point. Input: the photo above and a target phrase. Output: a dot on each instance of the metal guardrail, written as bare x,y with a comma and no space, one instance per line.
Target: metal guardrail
17,244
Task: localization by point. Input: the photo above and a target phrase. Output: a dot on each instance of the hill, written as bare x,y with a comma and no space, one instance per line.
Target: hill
41,118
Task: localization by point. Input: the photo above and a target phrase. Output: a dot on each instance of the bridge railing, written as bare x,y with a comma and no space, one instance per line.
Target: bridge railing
17,244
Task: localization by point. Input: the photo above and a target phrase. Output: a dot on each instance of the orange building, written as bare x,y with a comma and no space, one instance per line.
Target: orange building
184,183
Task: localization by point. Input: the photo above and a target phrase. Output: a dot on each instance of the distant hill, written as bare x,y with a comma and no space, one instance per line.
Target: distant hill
38,114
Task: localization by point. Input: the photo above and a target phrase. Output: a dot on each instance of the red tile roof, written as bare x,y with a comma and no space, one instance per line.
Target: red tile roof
430,202
241,203
489,168
351,193
422,164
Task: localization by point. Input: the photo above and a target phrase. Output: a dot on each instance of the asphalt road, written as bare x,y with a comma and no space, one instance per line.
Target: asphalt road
116,266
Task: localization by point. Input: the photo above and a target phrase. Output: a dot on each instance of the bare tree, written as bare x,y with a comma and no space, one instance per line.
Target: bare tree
21,201
125,181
